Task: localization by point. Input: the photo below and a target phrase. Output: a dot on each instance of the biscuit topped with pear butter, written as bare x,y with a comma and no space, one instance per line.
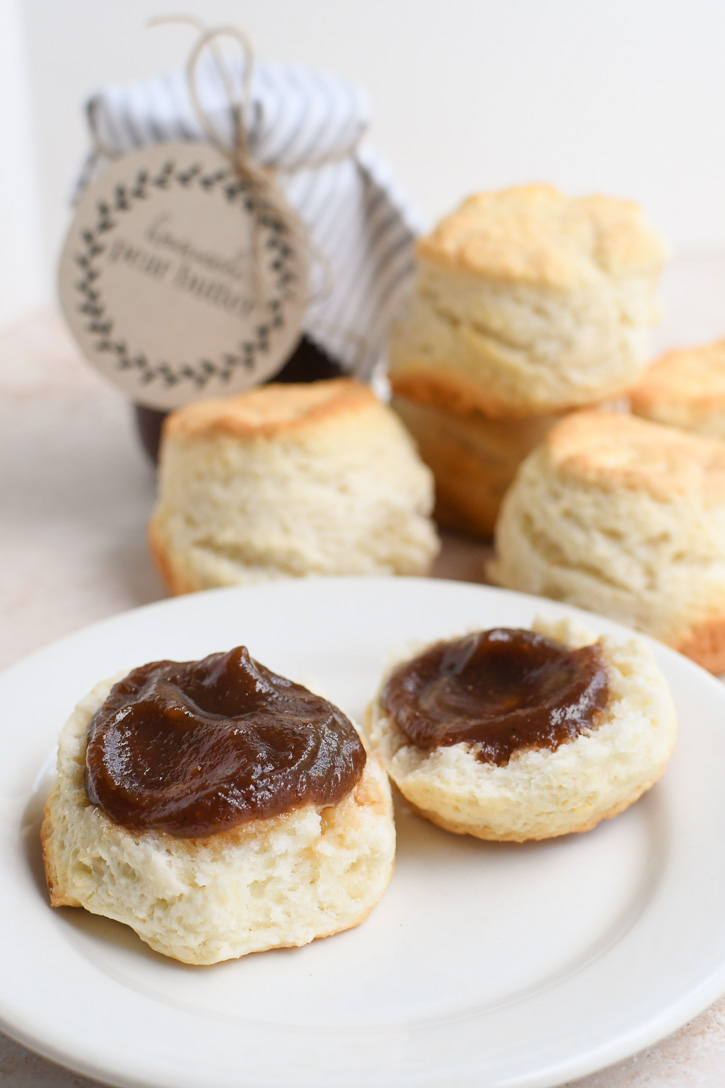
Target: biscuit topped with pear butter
218,809
516,734
527,302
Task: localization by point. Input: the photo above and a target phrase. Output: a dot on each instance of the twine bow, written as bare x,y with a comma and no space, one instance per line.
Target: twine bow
258,177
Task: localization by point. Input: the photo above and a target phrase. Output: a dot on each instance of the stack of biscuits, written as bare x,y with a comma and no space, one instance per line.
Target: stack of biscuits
527,304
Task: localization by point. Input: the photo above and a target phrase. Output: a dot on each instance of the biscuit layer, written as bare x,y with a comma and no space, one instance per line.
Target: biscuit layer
473,459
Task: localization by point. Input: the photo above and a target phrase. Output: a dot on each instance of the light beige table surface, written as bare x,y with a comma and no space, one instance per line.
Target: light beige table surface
75,495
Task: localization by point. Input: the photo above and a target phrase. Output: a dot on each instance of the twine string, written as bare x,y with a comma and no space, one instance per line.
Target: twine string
261,179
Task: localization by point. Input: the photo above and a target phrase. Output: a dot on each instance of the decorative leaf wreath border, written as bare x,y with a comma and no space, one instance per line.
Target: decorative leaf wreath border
99,323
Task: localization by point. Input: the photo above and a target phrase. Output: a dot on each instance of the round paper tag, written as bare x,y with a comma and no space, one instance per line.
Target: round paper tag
178,281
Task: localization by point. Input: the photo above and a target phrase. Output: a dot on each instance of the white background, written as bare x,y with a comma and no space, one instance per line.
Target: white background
625,97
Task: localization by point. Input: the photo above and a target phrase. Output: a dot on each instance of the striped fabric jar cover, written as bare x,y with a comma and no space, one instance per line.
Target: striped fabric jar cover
307,125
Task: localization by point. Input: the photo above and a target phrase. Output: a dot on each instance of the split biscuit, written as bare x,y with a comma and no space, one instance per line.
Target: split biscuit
268,883
542,793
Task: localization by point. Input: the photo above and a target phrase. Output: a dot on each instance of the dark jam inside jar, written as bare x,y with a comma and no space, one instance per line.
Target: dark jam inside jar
193,748
500,691
307,363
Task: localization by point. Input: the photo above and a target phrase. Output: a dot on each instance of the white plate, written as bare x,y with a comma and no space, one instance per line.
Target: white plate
484,964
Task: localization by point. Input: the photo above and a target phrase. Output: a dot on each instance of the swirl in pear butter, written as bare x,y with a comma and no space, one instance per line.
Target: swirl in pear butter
512,734
498,691
218,809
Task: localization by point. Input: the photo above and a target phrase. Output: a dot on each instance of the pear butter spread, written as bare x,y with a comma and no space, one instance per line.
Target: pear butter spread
500,691
198,747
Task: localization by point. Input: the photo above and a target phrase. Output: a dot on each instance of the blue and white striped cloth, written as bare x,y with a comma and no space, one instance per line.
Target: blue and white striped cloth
307,125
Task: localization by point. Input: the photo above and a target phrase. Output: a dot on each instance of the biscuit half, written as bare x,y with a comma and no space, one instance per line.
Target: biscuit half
541,793
273,883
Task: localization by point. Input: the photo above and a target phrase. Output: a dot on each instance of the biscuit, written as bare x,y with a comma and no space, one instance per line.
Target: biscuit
268,883
623,517
540,793
528,302
473,459
290,480
685,388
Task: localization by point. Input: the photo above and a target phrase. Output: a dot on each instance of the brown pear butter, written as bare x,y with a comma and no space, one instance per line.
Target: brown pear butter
193,748
500,691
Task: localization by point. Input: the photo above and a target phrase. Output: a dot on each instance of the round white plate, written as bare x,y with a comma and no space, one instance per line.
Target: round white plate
484,964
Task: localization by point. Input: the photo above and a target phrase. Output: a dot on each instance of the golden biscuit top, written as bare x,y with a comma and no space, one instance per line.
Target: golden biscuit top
614,451
533,234
690,380
270,410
